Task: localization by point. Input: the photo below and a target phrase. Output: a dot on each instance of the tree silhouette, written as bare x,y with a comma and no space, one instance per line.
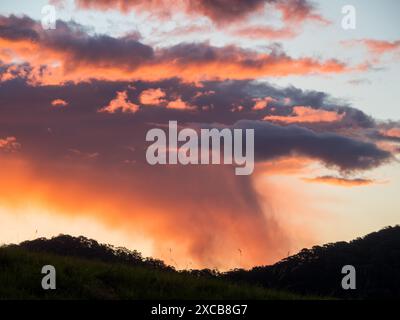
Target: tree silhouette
376,258
315,271
90,249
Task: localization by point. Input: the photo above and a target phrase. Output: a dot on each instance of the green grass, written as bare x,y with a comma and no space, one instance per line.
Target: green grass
20,278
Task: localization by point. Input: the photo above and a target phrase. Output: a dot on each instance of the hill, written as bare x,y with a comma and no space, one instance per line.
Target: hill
87,269
376,258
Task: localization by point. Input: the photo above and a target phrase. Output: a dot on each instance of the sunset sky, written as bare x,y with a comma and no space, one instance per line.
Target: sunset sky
76,103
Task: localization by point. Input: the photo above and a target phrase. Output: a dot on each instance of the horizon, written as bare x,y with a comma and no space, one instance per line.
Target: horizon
82,86
187,268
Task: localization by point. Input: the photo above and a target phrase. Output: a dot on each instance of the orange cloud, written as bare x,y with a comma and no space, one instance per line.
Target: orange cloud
206,233
261,104
152,97
59,103
296,12
120,102
338,181
286,166
307,115
389,146
391,133
241,66
380,46
293,13
376,48
67,55
178,104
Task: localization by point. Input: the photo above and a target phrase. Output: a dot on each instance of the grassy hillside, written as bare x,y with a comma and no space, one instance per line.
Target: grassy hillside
87,269
82,278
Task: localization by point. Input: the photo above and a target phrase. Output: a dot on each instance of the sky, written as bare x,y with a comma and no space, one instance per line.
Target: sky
76,102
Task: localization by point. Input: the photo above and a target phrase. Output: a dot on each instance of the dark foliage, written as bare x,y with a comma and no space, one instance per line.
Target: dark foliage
315,271
82,247
376,258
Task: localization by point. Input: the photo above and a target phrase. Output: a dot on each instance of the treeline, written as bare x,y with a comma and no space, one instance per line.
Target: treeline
317,271
82,247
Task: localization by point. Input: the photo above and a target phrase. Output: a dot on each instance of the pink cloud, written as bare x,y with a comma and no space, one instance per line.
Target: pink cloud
152,97
376,48
178,104
307,114
261,104
391,133
59,103
265,32
9,144
340,181
381,47
120,102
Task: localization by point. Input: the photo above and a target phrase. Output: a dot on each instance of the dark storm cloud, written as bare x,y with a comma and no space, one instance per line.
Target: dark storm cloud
218,11
226,10
76,144
104,153
71,53
212,101
126,51
73,39
79,125
344,153
389,131
17,28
